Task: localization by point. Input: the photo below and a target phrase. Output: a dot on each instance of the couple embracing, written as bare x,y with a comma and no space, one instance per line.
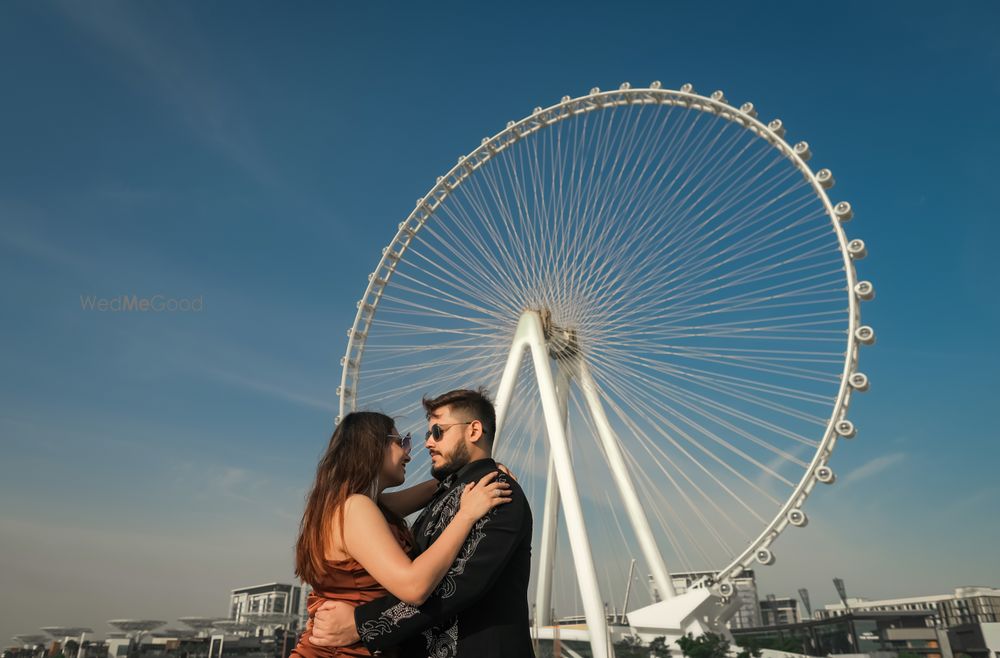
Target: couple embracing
453,586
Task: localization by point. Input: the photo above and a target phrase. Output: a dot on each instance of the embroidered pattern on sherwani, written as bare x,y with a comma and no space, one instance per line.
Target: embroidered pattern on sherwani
442,643
476,535
391,617
444,511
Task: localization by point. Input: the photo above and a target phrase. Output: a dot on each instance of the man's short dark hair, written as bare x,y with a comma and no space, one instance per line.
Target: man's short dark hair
473,405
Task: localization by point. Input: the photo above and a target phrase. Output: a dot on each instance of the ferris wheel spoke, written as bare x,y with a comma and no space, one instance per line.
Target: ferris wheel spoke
473,337
431,365
678,397
386,394
589,213
751,212
440,295
637,400
688,297
695,508
451,278
806,329
699,404
686,280
768,268
794,372
657,200
698,244
455,251
509,262
756,357
661,503
663,386
648,145
790,372
677,227
682,299
605,227
811,330
668,519
742,304
402,358
685,287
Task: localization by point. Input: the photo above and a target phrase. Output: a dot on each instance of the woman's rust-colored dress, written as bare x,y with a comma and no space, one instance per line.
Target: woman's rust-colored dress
347,581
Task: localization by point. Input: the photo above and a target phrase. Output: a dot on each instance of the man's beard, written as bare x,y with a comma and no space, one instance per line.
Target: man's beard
458,458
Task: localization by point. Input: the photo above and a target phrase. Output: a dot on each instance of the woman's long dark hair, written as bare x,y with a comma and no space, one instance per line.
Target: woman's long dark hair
350,465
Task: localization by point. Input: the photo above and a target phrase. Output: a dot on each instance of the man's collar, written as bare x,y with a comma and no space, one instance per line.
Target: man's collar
461,475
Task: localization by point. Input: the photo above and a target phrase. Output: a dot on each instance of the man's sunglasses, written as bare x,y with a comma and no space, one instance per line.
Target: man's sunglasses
437,431
405,442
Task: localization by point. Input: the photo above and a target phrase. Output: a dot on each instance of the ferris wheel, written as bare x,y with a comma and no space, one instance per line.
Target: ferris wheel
660,292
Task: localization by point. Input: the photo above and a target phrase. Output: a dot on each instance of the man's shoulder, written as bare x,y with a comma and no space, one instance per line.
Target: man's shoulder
515,488
478,470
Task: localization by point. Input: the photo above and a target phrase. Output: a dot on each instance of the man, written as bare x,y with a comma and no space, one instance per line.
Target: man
480,608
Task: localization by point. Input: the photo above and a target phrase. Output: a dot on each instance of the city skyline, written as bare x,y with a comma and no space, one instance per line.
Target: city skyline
260,160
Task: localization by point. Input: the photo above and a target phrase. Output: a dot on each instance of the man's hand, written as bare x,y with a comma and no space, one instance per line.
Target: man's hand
333,625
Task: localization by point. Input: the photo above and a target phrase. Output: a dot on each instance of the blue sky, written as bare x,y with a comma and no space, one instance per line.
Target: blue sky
259,156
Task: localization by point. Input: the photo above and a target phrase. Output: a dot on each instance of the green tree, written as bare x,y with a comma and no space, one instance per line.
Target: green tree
630,646
789,644
711,645
659,647
708,645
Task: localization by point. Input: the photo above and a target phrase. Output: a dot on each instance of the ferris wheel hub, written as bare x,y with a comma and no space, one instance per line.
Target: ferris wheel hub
562,342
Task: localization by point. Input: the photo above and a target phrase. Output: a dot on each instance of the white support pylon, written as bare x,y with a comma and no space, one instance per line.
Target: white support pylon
530,335
619,473
550,516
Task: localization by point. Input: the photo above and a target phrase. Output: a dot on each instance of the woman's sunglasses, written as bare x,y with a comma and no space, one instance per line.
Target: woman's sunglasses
405,442
437,431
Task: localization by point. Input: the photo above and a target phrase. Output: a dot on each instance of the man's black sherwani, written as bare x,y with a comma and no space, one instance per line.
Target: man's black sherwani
480,608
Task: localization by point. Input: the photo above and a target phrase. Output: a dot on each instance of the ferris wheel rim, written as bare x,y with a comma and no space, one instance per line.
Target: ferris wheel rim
746,117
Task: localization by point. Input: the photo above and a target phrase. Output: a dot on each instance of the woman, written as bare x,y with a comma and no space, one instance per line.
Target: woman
353,543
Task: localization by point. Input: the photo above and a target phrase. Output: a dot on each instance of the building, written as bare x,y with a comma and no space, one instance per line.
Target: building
978,640
966,605
854,633
745,585
970,605
270,599
775,611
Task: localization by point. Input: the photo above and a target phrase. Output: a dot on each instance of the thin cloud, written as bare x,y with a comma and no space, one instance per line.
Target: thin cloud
249,489
268,388
17,236
179,78
874,467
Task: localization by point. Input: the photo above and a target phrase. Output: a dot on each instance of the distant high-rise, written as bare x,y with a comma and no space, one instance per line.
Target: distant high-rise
776,610
246,603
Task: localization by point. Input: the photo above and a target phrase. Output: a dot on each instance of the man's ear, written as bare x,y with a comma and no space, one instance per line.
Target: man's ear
476,431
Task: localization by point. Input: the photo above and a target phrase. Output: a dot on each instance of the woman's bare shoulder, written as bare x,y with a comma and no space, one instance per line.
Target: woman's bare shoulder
360,504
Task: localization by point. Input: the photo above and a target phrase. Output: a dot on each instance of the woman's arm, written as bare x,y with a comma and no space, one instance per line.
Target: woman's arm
409,500
369,541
